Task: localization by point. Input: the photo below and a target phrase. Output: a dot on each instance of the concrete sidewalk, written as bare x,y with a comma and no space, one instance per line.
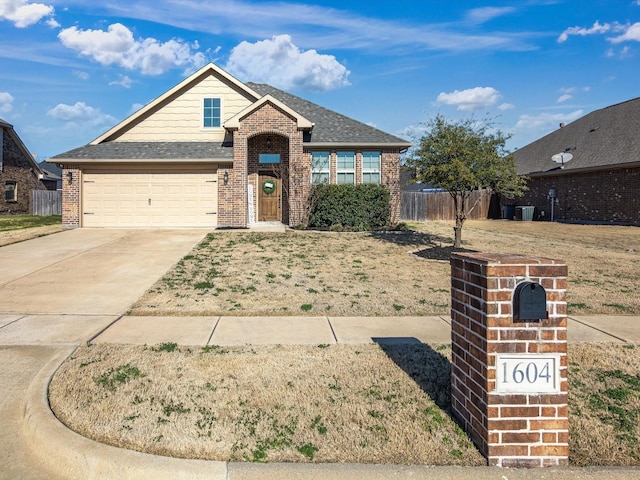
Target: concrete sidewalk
69,455
328,330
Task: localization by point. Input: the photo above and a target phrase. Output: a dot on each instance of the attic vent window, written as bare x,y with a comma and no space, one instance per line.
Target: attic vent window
211,114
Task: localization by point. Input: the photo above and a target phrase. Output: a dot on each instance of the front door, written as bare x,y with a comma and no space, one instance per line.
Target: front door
269,198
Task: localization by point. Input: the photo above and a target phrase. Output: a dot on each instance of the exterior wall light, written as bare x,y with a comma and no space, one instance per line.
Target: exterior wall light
69,177
225,178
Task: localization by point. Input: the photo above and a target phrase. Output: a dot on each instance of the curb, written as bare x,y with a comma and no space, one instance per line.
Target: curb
77,457
73,456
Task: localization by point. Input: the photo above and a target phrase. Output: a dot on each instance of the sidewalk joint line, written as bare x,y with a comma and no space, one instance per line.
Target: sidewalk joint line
104,329
333,332
597,329
214,330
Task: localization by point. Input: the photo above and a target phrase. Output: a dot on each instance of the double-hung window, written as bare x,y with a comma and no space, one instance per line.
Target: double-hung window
11,191
211,113
346,168
319,168
371,167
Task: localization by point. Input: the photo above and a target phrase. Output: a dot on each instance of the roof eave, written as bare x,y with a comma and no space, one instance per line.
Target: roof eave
89,161
599,168
401,145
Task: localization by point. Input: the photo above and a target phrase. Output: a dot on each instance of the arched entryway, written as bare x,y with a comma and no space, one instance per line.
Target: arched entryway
268,172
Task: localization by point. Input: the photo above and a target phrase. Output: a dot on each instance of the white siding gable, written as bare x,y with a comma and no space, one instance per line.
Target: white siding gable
180,119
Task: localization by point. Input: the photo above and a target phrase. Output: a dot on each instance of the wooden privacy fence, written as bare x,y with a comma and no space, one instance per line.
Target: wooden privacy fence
46,202
428,206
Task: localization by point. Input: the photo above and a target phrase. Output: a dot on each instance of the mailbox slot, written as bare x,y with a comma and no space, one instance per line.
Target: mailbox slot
529,302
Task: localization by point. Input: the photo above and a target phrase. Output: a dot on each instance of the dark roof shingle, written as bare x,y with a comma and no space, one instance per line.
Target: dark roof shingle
150,151
330,126
603,138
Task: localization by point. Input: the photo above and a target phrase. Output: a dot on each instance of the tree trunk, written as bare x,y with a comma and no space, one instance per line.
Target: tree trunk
458,236
459,204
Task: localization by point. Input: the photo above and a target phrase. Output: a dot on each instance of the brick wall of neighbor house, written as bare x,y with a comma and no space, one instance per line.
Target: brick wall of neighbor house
268,119
71,196
606,196
16,168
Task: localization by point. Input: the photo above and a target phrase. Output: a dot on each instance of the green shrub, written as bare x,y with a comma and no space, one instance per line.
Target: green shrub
350,207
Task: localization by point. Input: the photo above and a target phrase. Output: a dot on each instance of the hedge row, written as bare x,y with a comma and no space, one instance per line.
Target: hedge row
354,207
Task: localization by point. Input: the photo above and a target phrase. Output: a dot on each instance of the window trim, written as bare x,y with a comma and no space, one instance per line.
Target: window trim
372,170
204,117
15,191
345,170
322,171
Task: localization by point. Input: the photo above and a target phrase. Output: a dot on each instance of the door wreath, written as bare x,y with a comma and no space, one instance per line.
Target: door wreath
268,187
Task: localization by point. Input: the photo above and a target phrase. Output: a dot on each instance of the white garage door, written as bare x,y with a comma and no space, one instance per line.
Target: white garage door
150,199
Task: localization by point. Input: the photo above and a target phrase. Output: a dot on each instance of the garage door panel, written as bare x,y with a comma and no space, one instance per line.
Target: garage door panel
150,199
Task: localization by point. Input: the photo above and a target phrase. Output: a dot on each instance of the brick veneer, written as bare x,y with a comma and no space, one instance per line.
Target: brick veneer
71,196
267,120
605,196
511,430
16,168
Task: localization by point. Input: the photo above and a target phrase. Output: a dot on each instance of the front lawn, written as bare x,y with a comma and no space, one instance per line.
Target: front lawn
388,273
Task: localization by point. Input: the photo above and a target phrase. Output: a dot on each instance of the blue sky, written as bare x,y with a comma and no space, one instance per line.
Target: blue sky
71,69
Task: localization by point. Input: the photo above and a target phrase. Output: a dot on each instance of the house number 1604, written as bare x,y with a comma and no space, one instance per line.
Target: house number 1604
527,373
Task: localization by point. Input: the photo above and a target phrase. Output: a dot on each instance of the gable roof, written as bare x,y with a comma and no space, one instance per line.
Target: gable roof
234,122
324,128
605,138
25,151
209,69
332,128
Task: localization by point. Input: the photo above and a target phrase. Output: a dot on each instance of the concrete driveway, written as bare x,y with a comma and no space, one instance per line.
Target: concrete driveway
87,271
59,291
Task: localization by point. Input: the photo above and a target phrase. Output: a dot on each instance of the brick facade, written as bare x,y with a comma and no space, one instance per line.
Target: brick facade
17,168
511,430
71,196
266,130
605,196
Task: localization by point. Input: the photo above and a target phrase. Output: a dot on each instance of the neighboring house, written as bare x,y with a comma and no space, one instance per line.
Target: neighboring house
215,152
601,182
19,173
53,172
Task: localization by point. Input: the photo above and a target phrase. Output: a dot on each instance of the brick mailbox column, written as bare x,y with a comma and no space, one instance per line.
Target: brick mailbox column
509,376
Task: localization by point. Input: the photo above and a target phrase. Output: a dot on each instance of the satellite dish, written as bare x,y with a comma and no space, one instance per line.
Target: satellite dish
562,158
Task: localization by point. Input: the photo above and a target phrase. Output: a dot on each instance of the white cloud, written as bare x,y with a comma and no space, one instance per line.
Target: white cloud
470,99
281,63
546,122
6,102
506,106
484,14
117,46
135,107
81,75
632,33
597,28
564,98
125,81
80,113
23,14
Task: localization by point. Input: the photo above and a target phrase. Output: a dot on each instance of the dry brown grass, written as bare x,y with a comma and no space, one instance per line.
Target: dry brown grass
14,236
339,403
604,404
346,274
